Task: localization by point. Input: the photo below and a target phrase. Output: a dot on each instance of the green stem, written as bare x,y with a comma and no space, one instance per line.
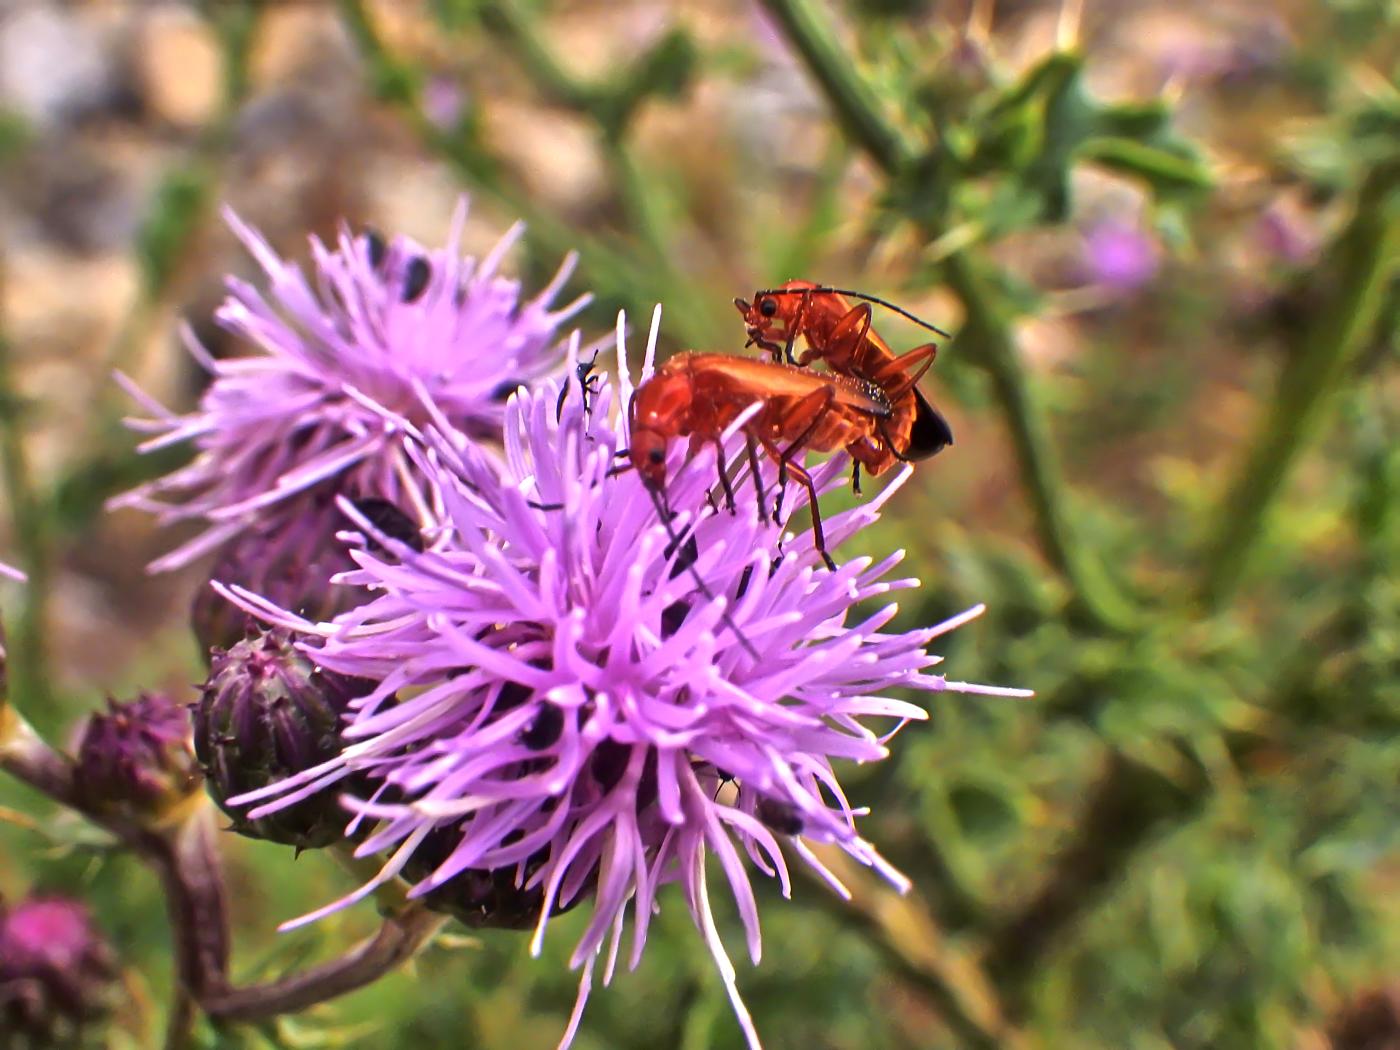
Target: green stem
987,332
855,103
986,329
1357,268
504,21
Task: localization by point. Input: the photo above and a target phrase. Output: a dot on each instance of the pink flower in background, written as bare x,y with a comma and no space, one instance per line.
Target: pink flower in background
1120,256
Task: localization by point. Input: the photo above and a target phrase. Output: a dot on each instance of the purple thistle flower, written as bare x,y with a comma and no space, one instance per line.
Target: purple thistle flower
561,695
382,332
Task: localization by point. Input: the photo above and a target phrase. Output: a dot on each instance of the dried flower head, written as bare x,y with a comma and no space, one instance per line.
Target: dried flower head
382,336
571,698
56,972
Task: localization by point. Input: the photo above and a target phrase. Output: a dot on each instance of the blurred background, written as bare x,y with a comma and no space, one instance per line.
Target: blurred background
1166,237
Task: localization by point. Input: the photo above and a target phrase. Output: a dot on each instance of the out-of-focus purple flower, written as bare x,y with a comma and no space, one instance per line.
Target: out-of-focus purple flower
10,572
381,338
1120,256
563,699
56,972
135,757
444,101
1287,235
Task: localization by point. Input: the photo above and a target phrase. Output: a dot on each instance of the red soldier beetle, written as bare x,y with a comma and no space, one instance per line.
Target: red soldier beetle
840,335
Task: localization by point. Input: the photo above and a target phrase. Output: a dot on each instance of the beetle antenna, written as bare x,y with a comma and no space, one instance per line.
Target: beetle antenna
664,514
859,295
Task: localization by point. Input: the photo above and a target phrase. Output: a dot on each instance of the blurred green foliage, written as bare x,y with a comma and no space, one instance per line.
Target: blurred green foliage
1189,838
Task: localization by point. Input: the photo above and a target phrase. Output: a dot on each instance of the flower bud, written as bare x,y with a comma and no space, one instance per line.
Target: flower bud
56,972
289,559
266,713
135,758
478,897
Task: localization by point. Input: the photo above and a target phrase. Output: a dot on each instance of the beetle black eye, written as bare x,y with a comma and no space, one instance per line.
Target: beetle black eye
656,456
768,307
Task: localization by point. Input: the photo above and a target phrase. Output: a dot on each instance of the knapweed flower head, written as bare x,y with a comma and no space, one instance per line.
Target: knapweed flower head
345,359
56,972
593,686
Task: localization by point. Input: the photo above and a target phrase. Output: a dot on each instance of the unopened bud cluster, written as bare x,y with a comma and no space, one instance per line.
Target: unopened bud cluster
266,713
135,758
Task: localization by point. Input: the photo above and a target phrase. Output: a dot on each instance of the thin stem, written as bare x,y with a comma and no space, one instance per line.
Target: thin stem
183,855
1356,270
398,940
988,334
616,276
517,32
855,103
611,112
913,945
1127,806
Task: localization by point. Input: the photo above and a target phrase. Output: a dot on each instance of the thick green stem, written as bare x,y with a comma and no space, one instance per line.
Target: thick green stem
856,105
1357,270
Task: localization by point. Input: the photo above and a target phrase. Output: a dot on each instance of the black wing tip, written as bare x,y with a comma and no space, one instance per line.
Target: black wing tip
930,434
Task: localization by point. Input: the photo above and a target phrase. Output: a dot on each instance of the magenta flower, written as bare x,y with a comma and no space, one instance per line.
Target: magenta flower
1120,256
384,337
562,698
57,972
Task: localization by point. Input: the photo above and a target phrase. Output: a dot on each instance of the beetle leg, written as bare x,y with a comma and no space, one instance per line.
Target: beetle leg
920,355
752,447
796,326
723,468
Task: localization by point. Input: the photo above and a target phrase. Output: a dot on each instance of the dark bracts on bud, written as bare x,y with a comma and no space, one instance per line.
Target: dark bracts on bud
57,973
288,559
135,757
266,713
477,897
